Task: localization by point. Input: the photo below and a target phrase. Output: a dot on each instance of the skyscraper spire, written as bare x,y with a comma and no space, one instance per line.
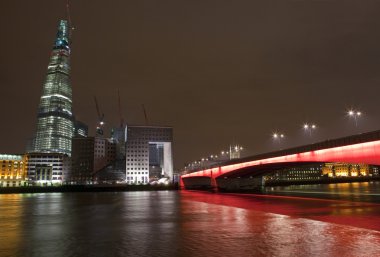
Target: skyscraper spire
55,120
68,16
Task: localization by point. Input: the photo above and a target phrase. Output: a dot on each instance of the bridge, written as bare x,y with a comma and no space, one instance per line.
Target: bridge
247,172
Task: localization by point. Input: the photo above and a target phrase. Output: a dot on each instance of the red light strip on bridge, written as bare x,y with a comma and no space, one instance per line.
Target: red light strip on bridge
368,153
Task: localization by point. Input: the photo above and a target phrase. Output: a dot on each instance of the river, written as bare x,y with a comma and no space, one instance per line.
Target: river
188,223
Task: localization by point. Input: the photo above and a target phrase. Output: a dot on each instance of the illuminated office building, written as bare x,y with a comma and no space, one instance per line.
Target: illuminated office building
148,153
322,171
47,169
55,120
305,172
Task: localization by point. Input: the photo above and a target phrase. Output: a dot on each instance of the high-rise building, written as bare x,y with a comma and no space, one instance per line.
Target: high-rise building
55,120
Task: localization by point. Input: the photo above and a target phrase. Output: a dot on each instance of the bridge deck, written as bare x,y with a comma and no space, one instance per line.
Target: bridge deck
344,141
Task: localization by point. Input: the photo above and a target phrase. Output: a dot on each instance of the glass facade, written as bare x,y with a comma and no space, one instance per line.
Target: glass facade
55,125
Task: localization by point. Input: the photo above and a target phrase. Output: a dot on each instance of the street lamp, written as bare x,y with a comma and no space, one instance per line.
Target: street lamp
355,114
223,155
278,137
235,151
309,128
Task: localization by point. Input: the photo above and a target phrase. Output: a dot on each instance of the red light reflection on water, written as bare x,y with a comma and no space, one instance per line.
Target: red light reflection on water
358,214
251,225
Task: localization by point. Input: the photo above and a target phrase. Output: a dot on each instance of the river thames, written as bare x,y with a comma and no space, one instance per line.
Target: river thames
315,220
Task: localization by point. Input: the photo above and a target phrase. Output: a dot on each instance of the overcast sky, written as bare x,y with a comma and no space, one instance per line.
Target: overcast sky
220,72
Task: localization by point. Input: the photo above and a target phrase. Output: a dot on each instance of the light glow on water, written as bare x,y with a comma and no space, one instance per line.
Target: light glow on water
186,223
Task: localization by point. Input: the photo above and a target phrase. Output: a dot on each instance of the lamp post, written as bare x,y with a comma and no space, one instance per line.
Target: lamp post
278,137
309,128
235,151
354,114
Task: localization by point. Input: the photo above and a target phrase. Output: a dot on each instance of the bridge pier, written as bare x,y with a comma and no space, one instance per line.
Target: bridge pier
223,184
197,183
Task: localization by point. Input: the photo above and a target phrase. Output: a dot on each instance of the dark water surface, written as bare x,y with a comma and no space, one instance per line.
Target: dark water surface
170,223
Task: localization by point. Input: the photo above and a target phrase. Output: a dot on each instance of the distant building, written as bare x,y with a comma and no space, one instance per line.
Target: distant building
47,169
348,170
148,153
105,152
114,172
82,160
55,120
308,172
81,129
118,136
314,172
90,155
13,170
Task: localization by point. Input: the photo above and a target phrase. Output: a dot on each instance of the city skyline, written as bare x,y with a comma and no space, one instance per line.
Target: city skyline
226,76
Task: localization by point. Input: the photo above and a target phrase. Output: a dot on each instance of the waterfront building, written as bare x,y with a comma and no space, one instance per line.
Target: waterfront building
13,170
347,170
315,172
82,160
105,152
90,155
148,153
55,120
48,169
114,172
310,172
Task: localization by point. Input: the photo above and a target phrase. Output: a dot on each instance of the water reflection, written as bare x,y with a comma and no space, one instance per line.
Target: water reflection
184,224
262,233
11,207
356,191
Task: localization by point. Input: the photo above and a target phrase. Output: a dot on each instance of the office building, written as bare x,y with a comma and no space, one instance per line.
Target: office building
89,156
148,153
48,169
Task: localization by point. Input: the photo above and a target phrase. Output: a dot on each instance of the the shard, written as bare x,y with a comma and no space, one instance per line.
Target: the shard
55,125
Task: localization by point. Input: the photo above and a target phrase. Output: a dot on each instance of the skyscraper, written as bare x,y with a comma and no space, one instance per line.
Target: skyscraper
55,120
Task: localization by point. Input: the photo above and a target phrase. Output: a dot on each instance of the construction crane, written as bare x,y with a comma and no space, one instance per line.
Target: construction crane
121,117
99,127
145,115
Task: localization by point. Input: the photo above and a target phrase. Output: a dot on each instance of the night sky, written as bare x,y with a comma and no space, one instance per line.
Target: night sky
219,72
